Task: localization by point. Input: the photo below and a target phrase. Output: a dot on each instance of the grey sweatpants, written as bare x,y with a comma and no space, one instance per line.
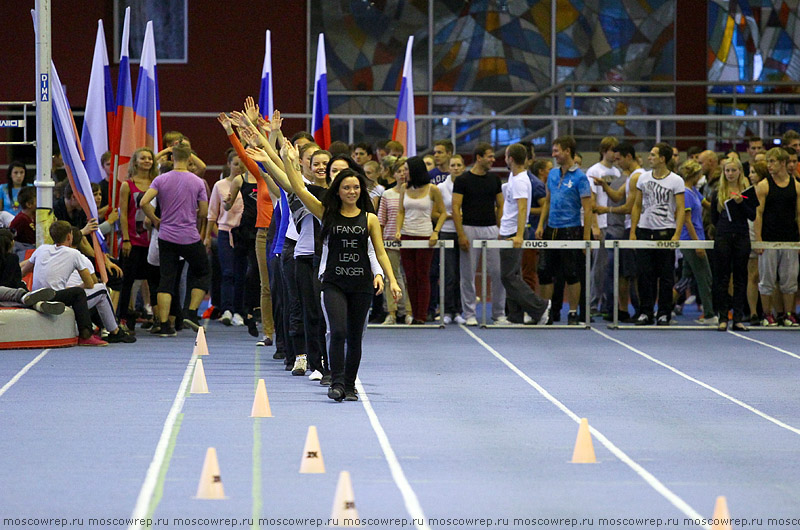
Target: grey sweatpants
774,263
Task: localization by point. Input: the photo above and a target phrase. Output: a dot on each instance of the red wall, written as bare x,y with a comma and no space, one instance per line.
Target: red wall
226,53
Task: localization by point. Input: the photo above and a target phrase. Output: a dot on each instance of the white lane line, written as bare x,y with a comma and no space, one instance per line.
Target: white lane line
718,392
23,372
765,344
151,479
654,483
409,497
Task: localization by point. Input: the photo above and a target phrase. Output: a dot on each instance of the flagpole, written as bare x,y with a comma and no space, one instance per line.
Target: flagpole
44,123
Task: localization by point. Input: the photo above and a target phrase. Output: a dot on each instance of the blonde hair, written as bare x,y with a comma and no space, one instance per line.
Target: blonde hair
690,168
723,194
134,163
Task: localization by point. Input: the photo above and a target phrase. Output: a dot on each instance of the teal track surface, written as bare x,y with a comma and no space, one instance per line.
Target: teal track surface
480,422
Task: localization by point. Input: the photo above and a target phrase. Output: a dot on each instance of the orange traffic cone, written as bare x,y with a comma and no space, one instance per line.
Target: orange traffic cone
199,385
344,511
584,450
200,345
312,461
261,402
722,518
210,486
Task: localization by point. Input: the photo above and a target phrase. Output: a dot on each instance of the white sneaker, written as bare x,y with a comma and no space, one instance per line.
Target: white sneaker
502,320
316,375
546,315
471,321
409,320
390,320
237,320
226,318
300,365
447,320
527,319
713,321
690,300
459,320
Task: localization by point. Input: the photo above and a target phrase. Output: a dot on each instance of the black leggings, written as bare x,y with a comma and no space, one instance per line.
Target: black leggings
731,252
136,267
346,315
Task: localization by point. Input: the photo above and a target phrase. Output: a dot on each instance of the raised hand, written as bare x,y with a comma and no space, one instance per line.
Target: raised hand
277,121
257,154
263,124
288,152
225,121
251,109
241,119
250,136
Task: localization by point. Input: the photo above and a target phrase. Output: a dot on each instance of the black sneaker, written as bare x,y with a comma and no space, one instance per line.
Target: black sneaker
350,394
39,295
326,380
572,318
644,320
663,320
755,320
252,328
179,324
50,308
278,355
167,330
336,393
156,328
192,322
121,336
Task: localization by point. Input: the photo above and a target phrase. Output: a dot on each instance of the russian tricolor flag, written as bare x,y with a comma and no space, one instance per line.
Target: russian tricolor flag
146,106
99,118
72,154
321,121
123,144
265,101
404,130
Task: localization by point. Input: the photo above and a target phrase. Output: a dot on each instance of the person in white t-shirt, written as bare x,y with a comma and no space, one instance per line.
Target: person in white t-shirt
621,200
62,268
658,215
520,298
603,172
452,270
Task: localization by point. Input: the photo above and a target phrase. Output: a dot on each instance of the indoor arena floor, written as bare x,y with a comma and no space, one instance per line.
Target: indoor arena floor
456,428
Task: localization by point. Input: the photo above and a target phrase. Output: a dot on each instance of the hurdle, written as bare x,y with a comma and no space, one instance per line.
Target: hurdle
412,244
586,246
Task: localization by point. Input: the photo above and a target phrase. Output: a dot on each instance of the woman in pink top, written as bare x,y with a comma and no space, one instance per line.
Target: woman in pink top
135,235
222,222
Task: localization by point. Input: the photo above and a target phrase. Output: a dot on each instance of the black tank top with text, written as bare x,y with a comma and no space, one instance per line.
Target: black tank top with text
345,256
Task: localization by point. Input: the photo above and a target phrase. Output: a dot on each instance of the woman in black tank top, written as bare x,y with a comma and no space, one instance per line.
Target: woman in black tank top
348,224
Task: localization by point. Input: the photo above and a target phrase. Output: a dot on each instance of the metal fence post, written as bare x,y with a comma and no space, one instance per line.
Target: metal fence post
615,323
441,283
483,280
588,289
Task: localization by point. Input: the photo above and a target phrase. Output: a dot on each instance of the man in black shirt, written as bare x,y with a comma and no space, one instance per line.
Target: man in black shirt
477,209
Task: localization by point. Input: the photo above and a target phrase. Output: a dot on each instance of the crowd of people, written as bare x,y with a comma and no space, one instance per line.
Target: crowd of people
292,238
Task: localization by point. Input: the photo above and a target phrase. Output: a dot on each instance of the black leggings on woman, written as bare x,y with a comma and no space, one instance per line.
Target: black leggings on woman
731,252
346,315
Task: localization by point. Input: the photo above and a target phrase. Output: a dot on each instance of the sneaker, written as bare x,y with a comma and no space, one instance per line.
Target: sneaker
279,355
252,327
336,392
192,322
156,328
390,320
663,320
300,365
471,321
227,318
50,308
409,320
121,336
166,330
39,295
789,320
287,367
769,321
350,394
447,320
458,319
755,321
708,321
316,375
326,380
572,318
237,320
502,320
545,316
93,340
690,299
644,320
